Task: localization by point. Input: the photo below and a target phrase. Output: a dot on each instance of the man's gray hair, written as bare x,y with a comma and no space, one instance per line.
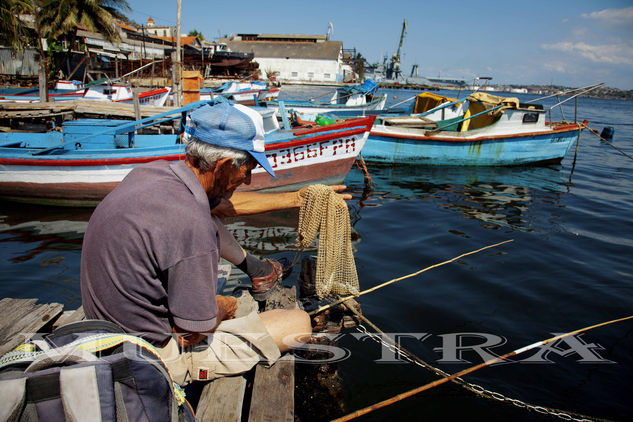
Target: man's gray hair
203,156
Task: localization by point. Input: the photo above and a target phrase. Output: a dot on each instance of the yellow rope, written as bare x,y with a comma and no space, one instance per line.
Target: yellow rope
326,212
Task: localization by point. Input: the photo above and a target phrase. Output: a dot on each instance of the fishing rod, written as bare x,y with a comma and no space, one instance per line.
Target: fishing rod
386,283
444,380
595,132
590,87
575,95
401,102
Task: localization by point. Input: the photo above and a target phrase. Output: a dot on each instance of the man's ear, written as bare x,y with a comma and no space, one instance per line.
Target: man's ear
224,166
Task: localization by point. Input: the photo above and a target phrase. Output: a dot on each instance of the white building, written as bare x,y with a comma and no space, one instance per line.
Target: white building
310,58
158,31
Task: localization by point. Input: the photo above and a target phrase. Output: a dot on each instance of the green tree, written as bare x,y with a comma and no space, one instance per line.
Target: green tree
61,18
358,65
13,32
196,33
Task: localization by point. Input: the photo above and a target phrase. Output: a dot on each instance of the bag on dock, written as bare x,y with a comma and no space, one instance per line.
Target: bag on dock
89,370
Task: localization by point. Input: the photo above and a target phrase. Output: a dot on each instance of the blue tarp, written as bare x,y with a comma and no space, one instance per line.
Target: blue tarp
368,87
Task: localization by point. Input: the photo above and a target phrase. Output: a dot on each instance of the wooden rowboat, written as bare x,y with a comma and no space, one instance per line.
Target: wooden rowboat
79,164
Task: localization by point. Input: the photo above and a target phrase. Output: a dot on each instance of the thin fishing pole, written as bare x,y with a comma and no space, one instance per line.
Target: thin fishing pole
386,283
595,132
430,385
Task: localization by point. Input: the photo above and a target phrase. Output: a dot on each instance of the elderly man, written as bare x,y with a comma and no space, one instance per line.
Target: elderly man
150,253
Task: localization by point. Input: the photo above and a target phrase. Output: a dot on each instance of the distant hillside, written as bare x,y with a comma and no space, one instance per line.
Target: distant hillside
602,92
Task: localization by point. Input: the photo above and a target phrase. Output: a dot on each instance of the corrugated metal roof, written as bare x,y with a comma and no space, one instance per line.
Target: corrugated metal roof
327,50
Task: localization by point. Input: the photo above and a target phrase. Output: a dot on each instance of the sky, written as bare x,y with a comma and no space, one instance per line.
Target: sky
562,42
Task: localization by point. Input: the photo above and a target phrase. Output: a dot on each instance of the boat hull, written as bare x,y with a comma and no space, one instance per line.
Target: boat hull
84,177
390,146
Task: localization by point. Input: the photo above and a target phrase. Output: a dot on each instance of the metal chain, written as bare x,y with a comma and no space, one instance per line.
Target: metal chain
475,388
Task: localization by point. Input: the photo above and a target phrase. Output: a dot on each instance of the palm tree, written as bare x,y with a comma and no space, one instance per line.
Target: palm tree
62,17
13,32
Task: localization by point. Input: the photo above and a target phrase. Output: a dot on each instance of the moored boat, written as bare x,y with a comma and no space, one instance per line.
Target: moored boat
84,161
246,93
355,99
97,92
494,131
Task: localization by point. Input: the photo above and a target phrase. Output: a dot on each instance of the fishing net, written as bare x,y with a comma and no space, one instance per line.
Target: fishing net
326,212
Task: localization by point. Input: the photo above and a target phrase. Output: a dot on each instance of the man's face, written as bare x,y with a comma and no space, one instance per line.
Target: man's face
233,177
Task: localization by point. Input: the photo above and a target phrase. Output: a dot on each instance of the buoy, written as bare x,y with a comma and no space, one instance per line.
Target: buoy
607,133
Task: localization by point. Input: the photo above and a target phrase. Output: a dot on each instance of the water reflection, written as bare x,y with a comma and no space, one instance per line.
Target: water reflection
44,229
499,197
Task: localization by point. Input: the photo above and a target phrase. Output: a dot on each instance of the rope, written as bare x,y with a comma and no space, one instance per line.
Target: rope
430,385
595,132
360,163
323,308
326,212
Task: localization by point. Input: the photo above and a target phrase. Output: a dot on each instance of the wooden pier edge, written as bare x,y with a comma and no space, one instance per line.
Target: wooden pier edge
271,396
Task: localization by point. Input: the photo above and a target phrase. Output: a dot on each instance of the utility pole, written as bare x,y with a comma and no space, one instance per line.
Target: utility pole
178,83
43,76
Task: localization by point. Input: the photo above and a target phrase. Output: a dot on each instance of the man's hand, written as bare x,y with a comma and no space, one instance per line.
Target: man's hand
336,188
185,338
227,305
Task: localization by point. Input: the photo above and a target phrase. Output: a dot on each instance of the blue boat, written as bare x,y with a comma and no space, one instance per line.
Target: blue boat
83,160
494,131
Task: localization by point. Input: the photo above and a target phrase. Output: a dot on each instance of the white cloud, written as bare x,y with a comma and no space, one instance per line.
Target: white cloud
612,16
608,53
555,67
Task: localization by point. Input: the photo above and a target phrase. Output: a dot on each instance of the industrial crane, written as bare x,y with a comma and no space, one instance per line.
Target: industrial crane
393,71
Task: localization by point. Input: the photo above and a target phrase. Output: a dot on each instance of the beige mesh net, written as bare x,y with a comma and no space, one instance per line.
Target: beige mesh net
326,212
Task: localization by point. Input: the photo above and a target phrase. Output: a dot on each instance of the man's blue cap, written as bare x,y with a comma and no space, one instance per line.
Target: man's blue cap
231,126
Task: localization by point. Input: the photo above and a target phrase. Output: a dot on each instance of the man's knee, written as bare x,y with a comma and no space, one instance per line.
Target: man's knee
289,328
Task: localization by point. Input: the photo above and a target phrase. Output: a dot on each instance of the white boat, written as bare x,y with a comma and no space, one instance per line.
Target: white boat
246,93
81,161
100,92
354,99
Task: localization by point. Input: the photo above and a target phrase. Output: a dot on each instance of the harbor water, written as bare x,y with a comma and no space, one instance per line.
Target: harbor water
570,265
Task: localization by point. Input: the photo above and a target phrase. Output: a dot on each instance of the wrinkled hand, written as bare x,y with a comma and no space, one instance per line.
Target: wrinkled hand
336,188
185,338
227,306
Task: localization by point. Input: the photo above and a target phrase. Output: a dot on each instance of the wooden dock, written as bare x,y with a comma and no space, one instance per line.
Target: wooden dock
74,109
263,394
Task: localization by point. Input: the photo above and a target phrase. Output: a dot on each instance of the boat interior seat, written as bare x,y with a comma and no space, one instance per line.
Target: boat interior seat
411,121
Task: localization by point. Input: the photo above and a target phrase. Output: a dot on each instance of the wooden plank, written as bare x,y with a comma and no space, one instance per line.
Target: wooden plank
21,318
80,108
272,397
69,317
222,400
273,392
